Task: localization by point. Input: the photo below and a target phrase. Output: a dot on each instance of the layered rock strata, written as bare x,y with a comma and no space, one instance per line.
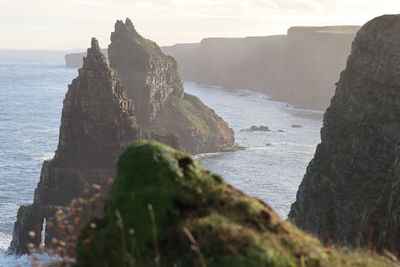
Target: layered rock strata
350,191
165,210
97,123
161,105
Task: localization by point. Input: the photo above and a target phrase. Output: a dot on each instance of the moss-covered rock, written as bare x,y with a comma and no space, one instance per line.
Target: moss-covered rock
200,129
165,210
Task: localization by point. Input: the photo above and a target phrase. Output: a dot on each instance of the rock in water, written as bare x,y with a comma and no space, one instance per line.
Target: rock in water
350,191
96,125
153,82
165,210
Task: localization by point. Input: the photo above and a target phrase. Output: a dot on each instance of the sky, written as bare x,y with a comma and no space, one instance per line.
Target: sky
69,24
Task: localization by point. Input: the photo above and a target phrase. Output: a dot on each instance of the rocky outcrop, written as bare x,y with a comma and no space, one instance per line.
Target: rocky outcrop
300,68
350,191
153,82
97,123
255,128
74,60
165,210
151,77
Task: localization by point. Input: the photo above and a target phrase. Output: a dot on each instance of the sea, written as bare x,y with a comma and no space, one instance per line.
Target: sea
32,88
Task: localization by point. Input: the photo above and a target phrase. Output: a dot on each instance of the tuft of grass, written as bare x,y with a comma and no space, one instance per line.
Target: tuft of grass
165,210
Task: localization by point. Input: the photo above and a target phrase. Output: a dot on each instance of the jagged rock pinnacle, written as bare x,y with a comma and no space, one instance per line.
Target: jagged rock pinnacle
95,44
128,23
95,58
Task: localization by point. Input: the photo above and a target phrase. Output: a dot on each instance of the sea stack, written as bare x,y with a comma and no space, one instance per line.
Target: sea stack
153,83
96,125
350,191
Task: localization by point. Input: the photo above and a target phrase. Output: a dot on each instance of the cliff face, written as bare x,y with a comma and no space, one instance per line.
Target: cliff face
300,68
164,209
97,123
150,76
153,82
350,190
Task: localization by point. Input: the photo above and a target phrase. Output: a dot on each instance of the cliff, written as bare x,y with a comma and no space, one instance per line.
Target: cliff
350,191
74,60
300,68
97,123
153,82
165,210
150,76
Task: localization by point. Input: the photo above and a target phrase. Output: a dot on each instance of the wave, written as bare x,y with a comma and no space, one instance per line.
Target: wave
45,156
36,259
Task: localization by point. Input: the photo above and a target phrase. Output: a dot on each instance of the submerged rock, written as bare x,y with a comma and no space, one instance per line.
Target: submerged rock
254,128
96,125
350,191
165,210
153,82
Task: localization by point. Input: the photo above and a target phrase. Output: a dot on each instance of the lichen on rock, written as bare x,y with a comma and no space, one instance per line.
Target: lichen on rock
165,210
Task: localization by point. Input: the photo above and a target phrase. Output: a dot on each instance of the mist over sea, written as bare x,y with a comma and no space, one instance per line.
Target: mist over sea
33,85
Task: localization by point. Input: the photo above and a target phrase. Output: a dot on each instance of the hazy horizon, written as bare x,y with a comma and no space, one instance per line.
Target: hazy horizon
66,25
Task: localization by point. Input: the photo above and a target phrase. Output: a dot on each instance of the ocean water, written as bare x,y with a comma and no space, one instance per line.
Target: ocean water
32,88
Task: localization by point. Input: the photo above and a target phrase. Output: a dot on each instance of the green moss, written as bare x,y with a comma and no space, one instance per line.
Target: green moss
189,112
165,210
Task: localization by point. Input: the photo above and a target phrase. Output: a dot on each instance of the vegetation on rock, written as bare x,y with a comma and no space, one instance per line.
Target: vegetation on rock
165,210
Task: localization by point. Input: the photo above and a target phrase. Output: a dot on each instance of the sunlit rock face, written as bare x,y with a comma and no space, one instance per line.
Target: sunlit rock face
350,190
153,83
97,123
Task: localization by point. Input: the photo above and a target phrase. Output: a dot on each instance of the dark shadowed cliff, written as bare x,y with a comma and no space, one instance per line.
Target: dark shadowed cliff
97,123
164,209
350,193
161,105
300,68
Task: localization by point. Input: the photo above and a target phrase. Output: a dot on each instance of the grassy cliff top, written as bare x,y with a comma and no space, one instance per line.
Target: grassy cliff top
164,209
